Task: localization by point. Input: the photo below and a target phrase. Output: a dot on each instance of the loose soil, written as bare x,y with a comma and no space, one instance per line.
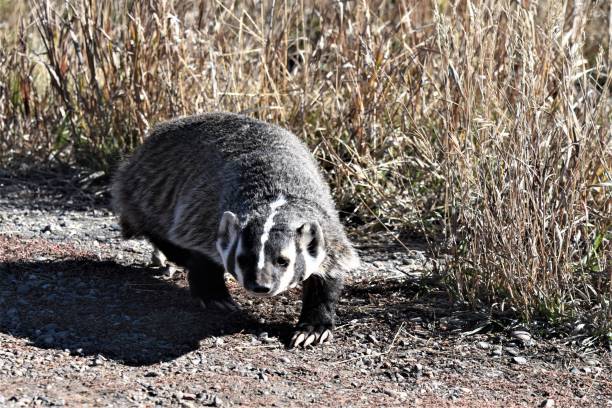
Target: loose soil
85,319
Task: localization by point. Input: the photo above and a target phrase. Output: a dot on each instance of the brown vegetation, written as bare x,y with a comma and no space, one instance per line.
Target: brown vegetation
488,118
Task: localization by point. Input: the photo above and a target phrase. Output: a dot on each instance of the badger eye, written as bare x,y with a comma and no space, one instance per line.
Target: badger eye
282,261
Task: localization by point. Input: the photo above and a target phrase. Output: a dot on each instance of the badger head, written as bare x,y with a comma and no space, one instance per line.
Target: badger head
268,257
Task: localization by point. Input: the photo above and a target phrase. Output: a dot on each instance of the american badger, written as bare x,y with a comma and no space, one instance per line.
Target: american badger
225,192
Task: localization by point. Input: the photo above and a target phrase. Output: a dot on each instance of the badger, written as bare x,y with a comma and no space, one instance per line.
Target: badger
223,192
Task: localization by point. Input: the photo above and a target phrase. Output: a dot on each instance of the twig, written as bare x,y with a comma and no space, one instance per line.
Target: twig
258,347
382,353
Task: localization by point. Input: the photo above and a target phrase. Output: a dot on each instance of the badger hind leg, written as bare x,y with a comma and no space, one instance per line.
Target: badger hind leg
205,277
317,319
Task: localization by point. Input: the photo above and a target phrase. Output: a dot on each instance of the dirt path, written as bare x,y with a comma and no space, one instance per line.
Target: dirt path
84,319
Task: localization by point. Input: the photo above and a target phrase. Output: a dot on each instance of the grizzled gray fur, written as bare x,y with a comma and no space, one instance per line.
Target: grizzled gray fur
224,192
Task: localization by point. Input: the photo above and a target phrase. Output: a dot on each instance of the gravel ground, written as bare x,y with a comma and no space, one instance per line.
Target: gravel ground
84,319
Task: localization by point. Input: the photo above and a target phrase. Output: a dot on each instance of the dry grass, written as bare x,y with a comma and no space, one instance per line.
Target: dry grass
489,120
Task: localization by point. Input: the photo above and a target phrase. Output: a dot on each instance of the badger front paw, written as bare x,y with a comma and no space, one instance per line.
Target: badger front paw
306,335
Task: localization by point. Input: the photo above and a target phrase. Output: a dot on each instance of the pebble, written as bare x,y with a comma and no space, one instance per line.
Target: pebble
547,403
513,351
51,229
519,360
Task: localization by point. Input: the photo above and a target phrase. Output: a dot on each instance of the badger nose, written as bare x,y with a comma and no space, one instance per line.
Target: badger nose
260,288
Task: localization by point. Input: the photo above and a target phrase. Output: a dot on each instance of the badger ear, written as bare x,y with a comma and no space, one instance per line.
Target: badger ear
228,230
312,246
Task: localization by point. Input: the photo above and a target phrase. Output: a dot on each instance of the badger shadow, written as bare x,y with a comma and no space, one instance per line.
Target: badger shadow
124,313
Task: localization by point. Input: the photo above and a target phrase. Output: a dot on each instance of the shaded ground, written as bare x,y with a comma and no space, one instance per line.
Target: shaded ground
84,319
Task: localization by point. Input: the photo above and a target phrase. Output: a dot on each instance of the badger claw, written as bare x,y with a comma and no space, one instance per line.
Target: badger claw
297,339
310,335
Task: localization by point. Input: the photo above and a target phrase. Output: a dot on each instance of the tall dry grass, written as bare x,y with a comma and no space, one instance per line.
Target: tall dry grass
487,120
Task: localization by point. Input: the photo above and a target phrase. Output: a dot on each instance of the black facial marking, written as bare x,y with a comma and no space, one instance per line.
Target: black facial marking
313,247
282,262
247,259
299,269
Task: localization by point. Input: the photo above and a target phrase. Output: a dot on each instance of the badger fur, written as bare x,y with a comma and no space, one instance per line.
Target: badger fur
225,192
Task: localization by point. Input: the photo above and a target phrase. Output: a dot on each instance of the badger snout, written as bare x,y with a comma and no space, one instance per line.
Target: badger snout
259,288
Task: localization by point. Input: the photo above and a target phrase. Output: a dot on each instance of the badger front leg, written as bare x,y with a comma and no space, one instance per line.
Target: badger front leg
318,316
207,284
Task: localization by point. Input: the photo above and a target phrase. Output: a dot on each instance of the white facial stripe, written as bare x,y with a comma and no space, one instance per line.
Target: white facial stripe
287,275
267,227
237,270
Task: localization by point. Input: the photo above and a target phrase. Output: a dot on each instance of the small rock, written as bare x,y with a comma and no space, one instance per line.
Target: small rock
574,370
519,360
547,403
521,335
219,342
513,351
208,400
284,359
483,345
262,376
397,394
52,229
524,336
418,367
497,351
189,396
